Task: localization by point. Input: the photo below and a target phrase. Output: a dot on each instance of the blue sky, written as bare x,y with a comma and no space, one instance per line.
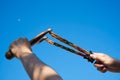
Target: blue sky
91,24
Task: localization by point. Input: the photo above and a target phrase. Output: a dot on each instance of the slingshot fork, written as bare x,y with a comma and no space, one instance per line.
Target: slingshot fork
40,37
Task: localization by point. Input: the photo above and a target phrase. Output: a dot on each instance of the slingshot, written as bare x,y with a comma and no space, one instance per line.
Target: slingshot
41,37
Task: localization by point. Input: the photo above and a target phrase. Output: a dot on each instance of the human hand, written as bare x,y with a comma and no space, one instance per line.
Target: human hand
21,47
106,63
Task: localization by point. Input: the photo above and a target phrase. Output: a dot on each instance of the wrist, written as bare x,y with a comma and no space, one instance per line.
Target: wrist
25,54
117,63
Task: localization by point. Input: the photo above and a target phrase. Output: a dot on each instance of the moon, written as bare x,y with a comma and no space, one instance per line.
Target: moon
18,19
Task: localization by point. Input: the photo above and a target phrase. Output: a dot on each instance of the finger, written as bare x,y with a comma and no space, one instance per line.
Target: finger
21,40
13,44
104,70
99,65
25,39
25,42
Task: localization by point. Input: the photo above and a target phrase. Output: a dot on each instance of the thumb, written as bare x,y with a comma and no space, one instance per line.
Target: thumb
98,57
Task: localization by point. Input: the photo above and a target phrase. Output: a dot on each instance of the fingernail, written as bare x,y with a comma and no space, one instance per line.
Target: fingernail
92,55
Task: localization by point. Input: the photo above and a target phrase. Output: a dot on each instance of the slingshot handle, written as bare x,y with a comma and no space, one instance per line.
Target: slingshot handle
89,58
9,55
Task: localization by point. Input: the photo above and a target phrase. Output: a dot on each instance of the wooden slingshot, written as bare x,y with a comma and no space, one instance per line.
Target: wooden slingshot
41,37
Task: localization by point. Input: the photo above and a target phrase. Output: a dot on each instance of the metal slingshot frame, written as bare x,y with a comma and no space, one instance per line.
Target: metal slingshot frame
41,37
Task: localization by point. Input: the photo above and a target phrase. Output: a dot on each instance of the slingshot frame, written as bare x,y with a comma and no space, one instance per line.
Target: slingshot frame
41,37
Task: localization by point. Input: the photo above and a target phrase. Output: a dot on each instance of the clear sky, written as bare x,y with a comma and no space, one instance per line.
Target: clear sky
91,24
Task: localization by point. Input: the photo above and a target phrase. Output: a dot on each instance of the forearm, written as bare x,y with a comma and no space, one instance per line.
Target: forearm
37,70
116,64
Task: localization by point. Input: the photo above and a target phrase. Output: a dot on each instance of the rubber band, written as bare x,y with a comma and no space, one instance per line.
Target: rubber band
68,43
64,47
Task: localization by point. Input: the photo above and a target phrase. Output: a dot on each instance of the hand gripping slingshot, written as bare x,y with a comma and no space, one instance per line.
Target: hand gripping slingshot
41,37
